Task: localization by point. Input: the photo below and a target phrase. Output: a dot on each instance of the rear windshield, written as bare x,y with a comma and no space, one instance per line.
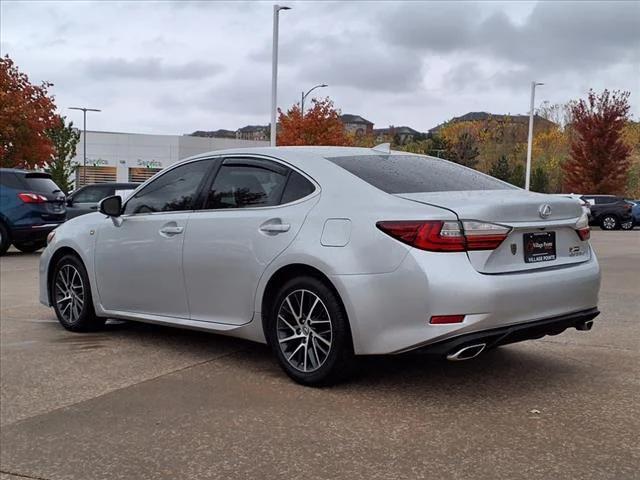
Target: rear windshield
41,184
415,174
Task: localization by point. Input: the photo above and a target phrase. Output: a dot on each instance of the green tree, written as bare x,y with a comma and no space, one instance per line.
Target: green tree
517,175
501,169
65,139
540,180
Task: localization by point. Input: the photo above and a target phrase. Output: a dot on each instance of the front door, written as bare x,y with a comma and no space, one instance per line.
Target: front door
253,211
138,263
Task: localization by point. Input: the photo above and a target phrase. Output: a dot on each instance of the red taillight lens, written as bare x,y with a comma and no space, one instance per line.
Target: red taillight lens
445,319
32,197
446,236
584,233
435,236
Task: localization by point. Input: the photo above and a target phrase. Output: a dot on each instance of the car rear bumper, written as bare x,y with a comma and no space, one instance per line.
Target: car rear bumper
512,333
33,233
390,313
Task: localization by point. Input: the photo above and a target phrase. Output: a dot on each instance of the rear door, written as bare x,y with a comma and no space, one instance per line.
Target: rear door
253,210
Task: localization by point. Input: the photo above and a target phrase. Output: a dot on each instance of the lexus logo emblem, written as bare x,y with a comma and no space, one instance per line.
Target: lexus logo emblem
544,210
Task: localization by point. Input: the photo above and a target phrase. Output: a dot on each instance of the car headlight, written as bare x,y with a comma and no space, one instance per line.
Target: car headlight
51,236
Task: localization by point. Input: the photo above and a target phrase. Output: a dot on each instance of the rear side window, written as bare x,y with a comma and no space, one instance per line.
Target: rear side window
415,174
240,185
10,180
41,183
297,187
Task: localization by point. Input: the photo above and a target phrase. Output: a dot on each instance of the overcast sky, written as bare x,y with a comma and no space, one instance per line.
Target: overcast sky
175,67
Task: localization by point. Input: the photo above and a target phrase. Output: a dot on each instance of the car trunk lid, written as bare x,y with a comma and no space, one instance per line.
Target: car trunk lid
543,227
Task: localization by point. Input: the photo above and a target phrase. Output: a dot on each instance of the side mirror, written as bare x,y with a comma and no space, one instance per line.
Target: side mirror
69,201
111,206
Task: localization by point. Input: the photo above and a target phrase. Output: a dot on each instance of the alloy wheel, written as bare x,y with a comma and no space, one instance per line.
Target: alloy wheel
304,330
609,223
69,293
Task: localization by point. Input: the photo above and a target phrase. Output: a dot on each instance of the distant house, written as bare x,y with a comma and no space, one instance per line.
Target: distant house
518,120
356,124
222,133
399,135
253,132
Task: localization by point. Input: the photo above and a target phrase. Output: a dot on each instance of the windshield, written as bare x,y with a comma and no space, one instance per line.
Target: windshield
416,174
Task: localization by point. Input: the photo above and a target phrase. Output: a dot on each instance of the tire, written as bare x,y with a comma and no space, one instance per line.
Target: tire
5,240
76,313
628,225
609,222
29,247
321,353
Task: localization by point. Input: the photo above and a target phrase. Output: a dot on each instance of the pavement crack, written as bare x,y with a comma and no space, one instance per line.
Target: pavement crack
21,475
151,379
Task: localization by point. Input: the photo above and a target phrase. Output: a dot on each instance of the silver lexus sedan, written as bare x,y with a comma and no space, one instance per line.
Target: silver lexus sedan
325,253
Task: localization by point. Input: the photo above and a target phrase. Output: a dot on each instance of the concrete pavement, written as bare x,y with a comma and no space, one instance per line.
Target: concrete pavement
140,401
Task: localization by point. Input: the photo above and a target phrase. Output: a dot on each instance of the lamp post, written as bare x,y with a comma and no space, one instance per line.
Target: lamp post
84,134
527,177
274,72
305,95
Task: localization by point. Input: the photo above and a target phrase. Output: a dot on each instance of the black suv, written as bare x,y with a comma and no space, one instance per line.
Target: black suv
31,205
609,212
86,199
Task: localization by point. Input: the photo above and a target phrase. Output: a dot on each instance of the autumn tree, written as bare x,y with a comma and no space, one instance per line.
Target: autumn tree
27,112
501,169
65,139
320,125
462,142
599,156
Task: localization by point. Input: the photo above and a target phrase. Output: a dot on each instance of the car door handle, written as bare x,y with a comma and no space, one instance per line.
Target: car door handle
275,228
171,230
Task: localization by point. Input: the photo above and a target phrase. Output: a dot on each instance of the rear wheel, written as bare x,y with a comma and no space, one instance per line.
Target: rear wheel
71,296
309,332
5,241
609,222
628,225
29,247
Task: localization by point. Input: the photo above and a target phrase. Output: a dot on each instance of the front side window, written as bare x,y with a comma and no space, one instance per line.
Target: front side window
92,194
243,185
416,174
173,191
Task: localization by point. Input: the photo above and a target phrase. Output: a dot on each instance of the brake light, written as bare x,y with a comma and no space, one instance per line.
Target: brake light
446,236
582,228
446,319
29,197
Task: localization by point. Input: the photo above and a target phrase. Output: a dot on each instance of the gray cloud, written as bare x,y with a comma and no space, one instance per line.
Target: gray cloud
150,69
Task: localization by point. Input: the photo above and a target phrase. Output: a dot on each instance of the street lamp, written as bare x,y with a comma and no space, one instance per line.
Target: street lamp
274,72
305,95
527,178
84,129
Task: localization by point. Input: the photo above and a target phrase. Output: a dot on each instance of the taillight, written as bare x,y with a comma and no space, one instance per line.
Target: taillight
32,197
446,319
446,236
582,228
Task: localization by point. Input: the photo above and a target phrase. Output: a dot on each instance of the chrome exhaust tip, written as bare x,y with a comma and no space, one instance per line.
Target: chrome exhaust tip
466,353
585,325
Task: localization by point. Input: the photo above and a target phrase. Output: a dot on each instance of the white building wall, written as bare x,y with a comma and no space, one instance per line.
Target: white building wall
134,150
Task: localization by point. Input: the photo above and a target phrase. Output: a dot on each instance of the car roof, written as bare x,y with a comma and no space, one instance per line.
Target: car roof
18,170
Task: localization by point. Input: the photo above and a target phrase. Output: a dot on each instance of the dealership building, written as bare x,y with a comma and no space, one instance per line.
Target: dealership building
133,157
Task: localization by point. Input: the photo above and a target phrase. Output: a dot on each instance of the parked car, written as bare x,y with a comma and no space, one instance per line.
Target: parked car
31,205
329,252
85,199
609,212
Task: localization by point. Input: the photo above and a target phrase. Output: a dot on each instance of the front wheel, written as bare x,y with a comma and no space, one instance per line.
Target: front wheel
609,222
71,296
309,332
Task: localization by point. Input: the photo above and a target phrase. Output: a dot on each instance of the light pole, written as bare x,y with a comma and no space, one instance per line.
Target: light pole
305,95
527,177
84,134
274,72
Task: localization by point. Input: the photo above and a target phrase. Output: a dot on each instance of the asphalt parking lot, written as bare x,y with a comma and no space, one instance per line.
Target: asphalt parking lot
139,401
